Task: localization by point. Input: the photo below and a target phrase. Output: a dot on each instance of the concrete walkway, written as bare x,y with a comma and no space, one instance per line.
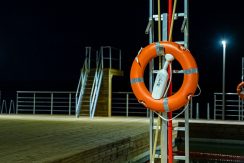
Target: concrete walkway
45,138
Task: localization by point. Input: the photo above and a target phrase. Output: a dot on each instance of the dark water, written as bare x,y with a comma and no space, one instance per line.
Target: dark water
208,152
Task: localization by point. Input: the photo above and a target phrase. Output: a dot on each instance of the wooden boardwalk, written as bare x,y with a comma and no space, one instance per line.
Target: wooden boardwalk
45,138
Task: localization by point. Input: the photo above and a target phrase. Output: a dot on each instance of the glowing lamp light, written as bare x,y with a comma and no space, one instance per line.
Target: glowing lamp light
223,43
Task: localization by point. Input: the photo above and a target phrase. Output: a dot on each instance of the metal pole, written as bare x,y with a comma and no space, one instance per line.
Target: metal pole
127,104
51,103
110,57
151,65
187,150
169,146
223,85
214,107
242,102
164,139
119,59
191,108
102,57
239,108
17,103
34,103
208,111
70,97
197,111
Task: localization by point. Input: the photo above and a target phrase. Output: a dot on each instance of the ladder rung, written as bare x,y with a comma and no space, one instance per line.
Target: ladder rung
180,157
155,127
180,42
157,156
179,128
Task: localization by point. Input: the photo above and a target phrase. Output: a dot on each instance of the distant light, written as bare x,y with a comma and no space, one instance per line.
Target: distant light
223,43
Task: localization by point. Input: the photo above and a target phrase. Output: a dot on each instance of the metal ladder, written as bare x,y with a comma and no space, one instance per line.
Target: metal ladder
164,136
82,82
242,72
241,102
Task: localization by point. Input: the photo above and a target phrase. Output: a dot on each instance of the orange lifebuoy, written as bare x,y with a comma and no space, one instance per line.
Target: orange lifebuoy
190,81
240,91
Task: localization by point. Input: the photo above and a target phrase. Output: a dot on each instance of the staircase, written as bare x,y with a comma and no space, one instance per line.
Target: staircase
97,88
85,111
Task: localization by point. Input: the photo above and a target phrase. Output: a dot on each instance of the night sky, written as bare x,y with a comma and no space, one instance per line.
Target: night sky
42,43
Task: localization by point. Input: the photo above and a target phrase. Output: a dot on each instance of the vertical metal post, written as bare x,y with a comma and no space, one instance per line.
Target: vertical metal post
186,30
208,111
165,27
102,57
191,108
17,102
70,103
187,135
242,103
186,45
110,57
239,108
223,88
164,140
214,107
0,99
197,111
127,104
89,58
151,65
34,103
52,103
120,59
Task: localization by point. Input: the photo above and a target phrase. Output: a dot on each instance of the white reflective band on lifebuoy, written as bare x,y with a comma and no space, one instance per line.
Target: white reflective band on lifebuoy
190,71
136,80
165,103
159,49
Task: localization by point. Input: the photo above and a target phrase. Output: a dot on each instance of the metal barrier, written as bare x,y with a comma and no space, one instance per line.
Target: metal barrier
126,104
234,107
111,57
45,102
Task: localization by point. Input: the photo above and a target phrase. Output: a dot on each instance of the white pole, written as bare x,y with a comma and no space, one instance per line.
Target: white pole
223,85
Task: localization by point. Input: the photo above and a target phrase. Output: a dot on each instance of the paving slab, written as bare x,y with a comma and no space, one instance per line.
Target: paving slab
48,138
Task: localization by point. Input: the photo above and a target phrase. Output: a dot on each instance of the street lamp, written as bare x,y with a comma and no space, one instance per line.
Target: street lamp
223,84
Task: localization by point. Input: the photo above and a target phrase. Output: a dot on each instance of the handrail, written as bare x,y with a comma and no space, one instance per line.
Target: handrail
4,106
96,82
82,81
11,107
111,56
47,102
234,106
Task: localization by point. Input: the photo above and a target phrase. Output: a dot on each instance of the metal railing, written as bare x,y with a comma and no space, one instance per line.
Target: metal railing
82,81
45,102
96,84
111,57
234,107
7,109
126,104
106,57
